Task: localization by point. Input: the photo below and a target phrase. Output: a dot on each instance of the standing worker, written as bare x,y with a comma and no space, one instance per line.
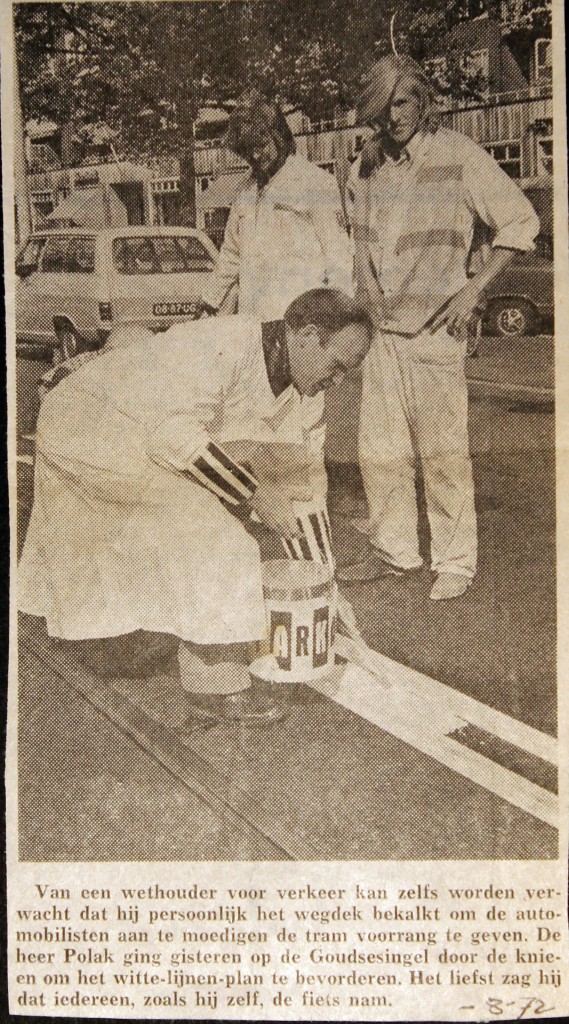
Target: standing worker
417,190
286,231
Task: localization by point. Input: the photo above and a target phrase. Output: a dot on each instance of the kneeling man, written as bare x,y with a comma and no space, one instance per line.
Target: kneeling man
141,453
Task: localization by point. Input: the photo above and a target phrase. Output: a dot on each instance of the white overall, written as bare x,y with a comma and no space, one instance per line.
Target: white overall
119,539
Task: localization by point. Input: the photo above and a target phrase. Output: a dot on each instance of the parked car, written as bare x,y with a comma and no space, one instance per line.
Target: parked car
520,300
91,281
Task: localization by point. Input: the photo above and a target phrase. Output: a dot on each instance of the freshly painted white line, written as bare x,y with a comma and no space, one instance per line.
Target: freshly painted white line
27,459
466,709
422,712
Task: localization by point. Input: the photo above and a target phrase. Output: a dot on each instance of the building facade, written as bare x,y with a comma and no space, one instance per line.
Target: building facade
509,113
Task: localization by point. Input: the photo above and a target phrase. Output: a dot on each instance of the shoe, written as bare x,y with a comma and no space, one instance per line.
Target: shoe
246,706
448,585
374,567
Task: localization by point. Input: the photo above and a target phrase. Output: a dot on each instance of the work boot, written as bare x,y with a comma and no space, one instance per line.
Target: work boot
448,585
250,707
374,567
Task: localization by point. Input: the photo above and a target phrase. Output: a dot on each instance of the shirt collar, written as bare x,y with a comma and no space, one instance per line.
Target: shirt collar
407,153
275,351
276,177
413,146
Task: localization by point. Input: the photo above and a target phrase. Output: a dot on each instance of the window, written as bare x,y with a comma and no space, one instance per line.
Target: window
42,206
170,256
195,254
29,258
476,64
160,255
68,254
134,256
542,60
508,155
80,257
545,155
215,221
204,181
437,68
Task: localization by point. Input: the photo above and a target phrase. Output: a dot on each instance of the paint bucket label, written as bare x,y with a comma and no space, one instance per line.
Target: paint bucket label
300,605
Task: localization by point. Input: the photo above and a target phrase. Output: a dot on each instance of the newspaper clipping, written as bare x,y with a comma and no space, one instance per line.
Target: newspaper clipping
287,445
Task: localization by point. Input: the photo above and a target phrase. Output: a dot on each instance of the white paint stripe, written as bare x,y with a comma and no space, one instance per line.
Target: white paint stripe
27,459
401,706
28,437
473,711
286,547
423,716
530,390
324,516
295,545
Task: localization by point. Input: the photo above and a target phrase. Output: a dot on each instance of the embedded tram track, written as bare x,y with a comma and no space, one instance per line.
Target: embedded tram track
186,765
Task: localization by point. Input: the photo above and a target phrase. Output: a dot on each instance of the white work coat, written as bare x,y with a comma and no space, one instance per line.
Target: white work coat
281,241
119,538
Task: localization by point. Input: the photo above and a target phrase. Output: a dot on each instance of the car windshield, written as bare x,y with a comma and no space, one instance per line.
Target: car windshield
162,254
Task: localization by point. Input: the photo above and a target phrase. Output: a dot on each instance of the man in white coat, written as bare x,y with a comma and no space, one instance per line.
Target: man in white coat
286,231
139,455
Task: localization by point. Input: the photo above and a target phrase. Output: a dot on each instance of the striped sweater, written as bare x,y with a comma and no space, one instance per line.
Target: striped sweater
413,225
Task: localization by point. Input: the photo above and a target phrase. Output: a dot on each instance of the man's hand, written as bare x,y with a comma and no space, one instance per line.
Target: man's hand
459,313
470,301
273,505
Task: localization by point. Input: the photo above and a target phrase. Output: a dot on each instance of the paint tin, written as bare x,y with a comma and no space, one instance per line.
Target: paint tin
300,602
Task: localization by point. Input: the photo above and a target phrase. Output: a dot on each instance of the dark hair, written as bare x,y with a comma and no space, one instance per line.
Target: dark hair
329,309
255,116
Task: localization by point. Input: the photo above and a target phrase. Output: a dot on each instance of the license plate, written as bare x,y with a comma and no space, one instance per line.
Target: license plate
174,309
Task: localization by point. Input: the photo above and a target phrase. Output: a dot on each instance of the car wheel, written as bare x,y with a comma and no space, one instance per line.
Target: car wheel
511,317
68,342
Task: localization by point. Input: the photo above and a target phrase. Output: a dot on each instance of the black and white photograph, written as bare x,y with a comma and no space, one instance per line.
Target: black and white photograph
285,289
284,336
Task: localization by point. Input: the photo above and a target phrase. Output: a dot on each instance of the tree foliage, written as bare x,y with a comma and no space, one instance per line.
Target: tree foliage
140,71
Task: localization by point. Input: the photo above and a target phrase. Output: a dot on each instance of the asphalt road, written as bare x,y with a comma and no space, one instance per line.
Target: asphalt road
497,644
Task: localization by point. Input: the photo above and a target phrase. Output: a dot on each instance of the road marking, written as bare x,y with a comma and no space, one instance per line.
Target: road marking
496,389
27,459
423,712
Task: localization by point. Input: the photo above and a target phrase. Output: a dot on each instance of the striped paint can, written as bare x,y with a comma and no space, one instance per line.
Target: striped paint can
300,602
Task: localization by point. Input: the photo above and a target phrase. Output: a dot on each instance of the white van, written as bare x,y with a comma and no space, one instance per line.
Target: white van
92,280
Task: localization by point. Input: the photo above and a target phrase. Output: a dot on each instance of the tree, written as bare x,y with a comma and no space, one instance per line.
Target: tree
144,69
